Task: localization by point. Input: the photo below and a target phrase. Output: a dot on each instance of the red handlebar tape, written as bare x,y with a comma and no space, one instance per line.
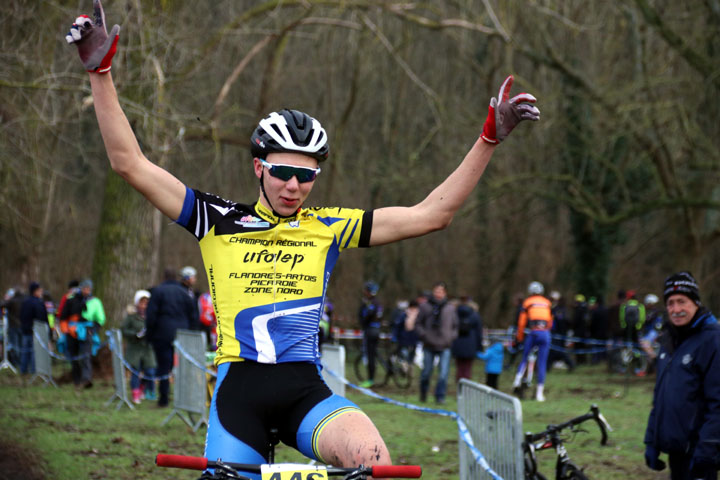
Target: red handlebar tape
396,471
181,461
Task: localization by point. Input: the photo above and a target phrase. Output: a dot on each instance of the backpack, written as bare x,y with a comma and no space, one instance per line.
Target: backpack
466,322
632,315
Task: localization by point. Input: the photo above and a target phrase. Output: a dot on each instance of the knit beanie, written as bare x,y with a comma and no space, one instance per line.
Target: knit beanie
683,283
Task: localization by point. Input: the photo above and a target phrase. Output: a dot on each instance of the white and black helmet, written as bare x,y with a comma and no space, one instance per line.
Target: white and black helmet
289,131
536,288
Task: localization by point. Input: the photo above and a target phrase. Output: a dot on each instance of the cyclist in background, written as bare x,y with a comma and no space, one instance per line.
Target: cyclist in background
537,316
654,321
370,313
269,261
632,317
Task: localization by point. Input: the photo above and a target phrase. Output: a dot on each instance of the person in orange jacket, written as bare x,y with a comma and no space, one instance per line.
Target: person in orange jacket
536,315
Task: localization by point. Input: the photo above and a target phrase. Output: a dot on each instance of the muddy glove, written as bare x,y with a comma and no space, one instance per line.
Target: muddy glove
504,114
95,47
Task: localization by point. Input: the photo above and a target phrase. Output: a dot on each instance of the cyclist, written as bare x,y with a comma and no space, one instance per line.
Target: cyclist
268,264
370,313
631,317
536,314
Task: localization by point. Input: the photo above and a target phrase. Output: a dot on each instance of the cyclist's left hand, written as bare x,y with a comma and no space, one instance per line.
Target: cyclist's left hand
505,113
95,47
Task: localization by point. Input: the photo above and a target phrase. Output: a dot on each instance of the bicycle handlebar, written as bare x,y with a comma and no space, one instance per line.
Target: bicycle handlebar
594,414
201,463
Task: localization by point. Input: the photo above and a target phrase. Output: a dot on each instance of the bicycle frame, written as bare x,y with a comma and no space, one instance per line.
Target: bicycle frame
551,438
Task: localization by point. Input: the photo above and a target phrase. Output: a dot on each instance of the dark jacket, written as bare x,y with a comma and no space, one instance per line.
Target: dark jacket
13,307
32,310
170,307
137,350
437,325
470,336
685,416
370,313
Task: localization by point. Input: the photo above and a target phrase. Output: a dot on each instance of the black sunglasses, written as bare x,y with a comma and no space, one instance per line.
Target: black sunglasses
286,172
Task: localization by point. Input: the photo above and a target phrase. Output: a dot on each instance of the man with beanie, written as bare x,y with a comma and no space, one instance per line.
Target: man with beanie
685,417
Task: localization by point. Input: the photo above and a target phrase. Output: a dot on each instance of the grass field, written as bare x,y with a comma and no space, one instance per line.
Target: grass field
50,433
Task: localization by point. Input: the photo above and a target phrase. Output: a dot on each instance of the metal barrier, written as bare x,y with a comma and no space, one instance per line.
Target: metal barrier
190,379
333,358
118,364
41,352
6,342
494,420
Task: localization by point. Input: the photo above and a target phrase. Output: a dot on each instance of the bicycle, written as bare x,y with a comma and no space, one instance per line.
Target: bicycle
396,365
552,437
283,471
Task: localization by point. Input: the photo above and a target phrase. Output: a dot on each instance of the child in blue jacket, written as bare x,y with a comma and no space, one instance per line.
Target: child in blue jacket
493,358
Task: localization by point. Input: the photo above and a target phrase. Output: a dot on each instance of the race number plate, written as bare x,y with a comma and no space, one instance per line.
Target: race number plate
293,471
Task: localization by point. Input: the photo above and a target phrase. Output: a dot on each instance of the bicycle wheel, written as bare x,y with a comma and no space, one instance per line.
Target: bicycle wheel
401,371
572,472
360,367
529,474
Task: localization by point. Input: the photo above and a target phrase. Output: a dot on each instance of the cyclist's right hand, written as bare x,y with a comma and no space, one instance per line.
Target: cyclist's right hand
652,458
95,47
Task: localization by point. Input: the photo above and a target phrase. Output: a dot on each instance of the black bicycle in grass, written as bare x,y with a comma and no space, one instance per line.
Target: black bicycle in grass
391,362
554,437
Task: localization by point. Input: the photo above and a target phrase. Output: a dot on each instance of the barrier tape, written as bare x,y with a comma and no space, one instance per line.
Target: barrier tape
130,368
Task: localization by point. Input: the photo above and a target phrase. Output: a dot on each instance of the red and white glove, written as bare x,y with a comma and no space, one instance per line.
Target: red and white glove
95,47
504,114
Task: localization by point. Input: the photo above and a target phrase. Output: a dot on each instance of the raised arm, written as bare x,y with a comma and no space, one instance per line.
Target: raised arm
96,50
436,211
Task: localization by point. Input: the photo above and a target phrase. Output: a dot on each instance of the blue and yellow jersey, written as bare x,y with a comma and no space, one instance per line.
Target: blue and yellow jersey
268,275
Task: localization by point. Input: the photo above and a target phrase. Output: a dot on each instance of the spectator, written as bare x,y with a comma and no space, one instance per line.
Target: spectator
188,279
437,327
32,310
138,352
14,299
581,325
208,320
84,314
469,339
404,333
170,308
493,358
559,332
515,347
369,314
616,332
654,322
598,329
72,289
685,418
537,316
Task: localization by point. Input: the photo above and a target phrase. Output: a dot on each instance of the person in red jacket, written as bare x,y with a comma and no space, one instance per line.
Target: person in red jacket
536,315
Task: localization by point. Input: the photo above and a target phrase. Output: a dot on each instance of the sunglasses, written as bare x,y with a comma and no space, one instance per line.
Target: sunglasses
286,172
